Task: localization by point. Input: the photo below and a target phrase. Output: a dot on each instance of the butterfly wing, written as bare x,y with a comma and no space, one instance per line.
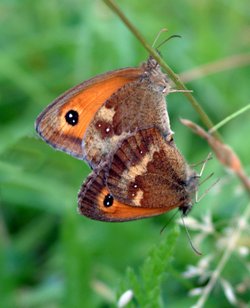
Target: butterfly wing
64,122
96,202
147,171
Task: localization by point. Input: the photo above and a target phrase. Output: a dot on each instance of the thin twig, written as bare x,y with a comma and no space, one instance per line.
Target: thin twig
242,222
229,118
218,66
176,79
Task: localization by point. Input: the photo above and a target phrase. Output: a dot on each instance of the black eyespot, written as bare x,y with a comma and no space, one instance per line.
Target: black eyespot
108,200
71,117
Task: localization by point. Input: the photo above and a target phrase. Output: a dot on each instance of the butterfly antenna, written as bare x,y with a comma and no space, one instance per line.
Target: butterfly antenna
189,238
170,219
158,35
167,39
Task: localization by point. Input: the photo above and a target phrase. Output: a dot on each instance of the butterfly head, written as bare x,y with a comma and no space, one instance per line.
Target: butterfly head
191,185
185,209
158,79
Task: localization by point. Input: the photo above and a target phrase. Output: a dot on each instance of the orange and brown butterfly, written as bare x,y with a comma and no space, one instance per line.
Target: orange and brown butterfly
89,120
144,177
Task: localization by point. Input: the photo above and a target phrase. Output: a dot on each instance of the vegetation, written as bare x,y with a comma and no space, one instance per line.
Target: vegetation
52,257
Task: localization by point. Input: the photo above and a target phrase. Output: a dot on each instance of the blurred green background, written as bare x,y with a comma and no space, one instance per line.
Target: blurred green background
52,257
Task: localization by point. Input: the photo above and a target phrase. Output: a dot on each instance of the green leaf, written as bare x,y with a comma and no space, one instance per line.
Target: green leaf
146,286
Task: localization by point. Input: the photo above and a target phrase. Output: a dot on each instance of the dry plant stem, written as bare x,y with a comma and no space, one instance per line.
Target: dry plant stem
244,180
242,223
180,85
218,66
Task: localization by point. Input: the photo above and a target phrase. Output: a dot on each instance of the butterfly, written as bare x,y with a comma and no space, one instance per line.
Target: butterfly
145,176
89,120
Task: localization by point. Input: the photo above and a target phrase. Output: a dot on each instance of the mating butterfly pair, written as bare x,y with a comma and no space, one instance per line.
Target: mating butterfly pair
118,123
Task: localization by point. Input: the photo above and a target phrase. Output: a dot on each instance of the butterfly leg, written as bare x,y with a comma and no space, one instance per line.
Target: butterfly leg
199,198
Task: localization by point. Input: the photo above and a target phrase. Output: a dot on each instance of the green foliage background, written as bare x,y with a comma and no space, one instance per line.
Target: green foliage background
52,257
